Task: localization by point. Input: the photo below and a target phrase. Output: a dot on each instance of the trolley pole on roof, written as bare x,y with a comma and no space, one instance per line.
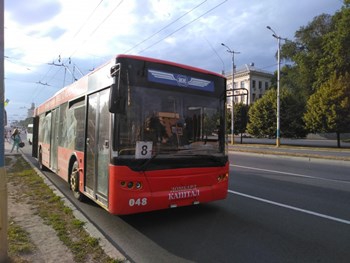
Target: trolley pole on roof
3,181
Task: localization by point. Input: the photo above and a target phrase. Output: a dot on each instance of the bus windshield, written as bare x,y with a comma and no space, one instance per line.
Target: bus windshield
170,124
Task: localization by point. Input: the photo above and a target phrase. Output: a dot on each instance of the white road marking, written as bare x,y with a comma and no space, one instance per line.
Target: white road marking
339,220
288,173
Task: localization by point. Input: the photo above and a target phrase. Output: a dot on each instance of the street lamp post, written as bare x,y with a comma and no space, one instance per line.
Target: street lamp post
233,87
279,38
3,177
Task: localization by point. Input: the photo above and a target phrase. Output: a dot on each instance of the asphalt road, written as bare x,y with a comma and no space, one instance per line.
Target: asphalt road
278,210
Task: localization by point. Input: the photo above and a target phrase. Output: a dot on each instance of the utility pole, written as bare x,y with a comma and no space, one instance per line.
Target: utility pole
279,38
3,180
233,88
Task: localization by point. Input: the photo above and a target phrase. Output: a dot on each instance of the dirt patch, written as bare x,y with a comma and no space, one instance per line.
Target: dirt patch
48,247
56,235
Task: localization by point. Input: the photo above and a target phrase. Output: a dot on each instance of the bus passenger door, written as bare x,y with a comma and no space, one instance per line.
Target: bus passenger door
55,121
97,146
35,136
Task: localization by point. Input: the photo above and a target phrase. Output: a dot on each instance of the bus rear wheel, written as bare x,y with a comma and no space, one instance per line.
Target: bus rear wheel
74,182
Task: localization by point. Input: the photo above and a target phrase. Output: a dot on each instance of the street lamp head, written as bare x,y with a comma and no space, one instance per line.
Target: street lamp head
273,31
228,49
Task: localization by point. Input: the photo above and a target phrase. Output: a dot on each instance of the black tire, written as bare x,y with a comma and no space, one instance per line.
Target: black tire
40,161
74,182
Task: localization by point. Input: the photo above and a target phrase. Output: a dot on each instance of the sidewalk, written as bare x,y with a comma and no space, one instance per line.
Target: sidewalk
340,154
8,147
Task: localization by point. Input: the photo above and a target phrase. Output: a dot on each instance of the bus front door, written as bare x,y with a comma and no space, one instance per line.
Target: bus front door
97,146
54,139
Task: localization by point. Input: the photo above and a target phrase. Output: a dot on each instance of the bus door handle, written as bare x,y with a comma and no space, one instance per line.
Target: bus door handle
106,144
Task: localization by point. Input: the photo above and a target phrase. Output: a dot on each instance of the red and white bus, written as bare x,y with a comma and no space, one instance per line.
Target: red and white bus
138,134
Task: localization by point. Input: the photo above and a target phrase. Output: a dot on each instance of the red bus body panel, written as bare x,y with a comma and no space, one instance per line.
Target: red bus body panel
164,188
45,150
64,155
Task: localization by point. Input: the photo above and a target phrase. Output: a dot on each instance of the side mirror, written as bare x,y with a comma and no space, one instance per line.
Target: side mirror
117,102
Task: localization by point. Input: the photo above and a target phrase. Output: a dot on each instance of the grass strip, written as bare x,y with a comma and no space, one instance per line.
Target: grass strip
19,242
54,213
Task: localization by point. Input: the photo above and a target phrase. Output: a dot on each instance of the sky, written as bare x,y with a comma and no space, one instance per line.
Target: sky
50,43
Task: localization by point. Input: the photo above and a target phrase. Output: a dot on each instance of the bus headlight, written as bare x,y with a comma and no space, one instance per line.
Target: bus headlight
138,185
131,185
222,177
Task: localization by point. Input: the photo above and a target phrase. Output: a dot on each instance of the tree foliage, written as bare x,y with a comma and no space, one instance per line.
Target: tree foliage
318,76
320,49
328,109
263,115
336,48
240,116
307,50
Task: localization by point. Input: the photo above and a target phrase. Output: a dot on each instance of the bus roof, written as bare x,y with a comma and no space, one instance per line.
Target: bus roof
170,63
80,87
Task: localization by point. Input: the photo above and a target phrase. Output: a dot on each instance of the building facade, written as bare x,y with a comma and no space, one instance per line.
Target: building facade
250,84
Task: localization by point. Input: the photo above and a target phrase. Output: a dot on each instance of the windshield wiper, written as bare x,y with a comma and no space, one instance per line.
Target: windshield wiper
144,165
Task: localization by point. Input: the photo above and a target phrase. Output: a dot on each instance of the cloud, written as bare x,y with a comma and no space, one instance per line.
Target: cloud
32,12
190,32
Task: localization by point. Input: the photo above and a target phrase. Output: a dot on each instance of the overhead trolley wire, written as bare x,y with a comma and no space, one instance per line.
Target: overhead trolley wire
98,26
84,24
168,25
78,31
94,31
177,30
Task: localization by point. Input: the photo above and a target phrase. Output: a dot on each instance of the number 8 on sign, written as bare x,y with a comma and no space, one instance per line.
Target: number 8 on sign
143,150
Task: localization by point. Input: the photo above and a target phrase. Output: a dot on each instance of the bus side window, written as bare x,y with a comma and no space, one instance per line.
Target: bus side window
75,127
47,128
62,136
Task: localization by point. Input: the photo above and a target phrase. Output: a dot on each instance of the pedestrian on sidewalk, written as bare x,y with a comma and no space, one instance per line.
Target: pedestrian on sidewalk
16,139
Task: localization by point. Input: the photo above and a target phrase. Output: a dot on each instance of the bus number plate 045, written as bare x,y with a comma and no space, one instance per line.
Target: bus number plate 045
143,150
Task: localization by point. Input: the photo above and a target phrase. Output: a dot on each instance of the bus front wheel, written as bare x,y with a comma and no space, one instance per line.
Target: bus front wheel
40,160
74,182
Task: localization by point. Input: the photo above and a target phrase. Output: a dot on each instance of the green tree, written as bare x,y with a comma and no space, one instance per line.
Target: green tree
306,51
336,48
319,49
328,109
263,120
262,116
291,113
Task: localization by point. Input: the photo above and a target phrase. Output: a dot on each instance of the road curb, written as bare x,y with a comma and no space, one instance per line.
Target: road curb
311,158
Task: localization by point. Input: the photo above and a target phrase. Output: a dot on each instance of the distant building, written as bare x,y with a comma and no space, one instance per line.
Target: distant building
30,113
250,84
